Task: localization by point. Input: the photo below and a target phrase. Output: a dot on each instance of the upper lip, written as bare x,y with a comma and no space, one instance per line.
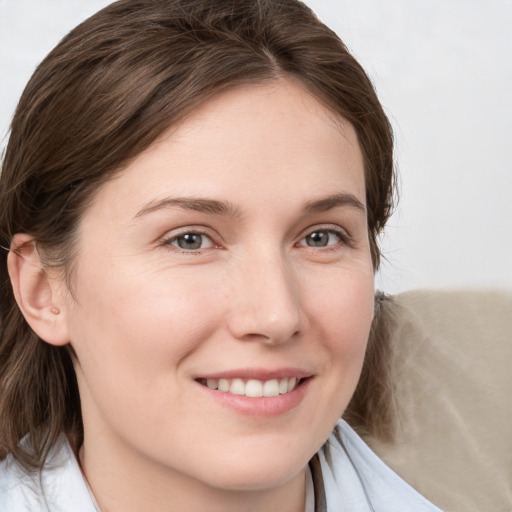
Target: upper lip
262,374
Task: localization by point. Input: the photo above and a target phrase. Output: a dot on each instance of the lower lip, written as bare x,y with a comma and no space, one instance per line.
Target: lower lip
261,406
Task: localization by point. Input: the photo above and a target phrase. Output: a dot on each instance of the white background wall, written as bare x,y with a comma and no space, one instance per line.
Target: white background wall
443,70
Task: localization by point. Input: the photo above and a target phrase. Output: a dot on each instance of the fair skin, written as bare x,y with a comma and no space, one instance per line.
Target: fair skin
234,249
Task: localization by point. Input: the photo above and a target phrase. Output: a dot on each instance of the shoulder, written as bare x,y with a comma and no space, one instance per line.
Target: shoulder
356,480
12,479
58,486
20,490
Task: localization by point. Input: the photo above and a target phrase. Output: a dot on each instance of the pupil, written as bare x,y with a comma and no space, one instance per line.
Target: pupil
190,241
318,239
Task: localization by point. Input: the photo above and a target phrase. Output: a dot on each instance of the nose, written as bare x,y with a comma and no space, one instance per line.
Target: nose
265,301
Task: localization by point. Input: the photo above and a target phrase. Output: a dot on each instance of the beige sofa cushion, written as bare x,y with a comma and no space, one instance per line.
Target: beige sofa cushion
452,364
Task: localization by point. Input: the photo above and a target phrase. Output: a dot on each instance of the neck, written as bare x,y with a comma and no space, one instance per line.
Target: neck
122,485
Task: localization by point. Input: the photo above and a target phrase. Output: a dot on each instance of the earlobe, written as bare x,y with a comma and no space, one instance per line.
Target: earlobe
35,292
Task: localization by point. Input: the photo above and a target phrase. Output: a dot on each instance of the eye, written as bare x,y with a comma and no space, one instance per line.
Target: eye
322,238
191,241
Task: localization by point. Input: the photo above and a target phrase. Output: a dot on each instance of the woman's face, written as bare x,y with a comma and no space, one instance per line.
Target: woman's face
234,254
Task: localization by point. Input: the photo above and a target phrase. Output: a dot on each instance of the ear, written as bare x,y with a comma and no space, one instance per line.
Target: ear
39,296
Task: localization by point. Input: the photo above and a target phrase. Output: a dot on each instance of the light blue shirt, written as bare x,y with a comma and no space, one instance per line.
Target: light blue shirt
347,476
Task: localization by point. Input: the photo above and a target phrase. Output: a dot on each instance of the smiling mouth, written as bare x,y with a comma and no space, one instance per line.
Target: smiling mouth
253,388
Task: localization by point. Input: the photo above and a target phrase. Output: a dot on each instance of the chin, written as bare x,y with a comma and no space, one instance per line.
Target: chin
241,470
253,478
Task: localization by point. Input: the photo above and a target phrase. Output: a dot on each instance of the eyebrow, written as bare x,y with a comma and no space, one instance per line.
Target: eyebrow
216,207
328,203
196,204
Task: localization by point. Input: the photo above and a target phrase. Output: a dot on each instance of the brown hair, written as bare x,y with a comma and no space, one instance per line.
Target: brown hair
102,96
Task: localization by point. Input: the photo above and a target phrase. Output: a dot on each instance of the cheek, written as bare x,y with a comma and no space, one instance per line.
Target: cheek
140,326
133,338
343,316
344,307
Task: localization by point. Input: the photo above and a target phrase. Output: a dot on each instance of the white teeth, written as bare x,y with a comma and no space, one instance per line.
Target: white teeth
271,388
223,385
254,388
212,383
237,387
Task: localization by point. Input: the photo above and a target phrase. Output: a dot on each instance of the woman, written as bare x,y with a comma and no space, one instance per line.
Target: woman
192,193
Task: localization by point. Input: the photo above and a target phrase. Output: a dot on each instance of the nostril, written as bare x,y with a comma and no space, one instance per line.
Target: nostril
259,326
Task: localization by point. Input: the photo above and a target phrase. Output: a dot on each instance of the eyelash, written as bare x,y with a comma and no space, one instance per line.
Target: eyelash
344,239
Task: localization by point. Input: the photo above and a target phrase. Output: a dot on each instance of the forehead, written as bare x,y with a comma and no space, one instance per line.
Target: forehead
248,140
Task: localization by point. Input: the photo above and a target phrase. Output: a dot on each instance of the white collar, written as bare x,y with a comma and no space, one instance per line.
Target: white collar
347,476
59,487
355,480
